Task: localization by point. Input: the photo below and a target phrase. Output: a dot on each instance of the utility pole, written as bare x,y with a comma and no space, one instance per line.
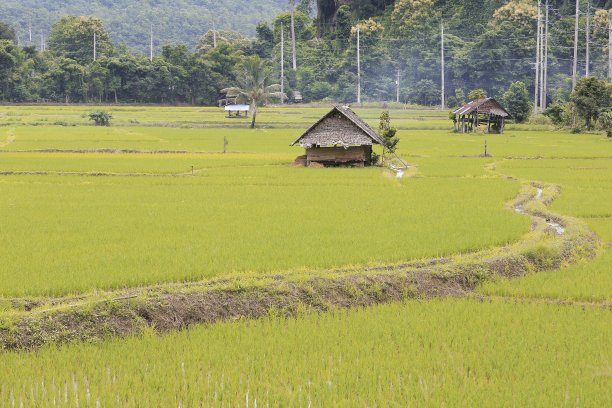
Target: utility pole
282,62
214,35
588,38
397,86
537,64
42,41
610,46
443,104
293,35
95,46
30,30
358,68
545,58
542,96
151,44
575,64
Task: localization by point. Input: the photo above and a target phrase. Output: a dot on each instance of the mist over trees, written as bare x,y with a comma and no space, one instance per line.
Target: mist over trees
489,45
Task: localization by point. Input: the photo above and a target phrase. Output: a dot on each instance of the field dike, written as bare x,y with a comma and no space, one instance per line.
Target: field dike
553,241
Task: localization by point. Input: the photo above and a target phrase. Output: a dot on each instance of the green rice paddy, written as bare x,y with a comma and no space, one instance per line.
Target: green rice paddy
435,353
76,221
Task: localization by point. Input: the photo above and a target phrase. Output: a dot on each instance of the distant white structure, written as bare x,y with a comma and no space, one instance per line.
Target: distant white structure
237,111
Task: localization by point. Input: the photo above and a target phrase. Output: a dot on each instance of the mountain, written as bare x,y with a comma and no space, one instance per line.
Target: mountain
130,21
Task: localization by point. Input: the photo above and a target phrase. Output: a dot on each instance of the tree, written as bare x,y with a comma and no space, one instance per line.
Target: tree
65,81
412,18
590,97
8,62
387,132
478,93
234,38
343,27
7,32
254,85
425,92
264,42
73,37
517,101
304,6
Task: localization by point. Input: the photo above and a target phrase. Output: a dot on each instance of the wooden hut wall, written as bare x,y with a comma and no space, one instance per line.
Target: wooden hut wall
339,154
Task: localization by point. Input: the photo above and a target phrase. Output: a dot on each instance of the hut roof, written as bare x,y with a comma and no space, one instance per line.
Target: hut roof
486,105
237,108
340,126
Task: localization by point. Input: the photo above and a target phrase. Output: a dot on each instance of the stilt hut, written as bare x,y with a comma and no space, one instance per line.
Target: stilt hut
478,112
339,138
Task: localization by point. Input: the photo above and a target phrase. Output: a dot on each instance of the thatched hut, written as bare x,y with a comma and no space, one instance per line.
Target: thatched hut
486,111
339,138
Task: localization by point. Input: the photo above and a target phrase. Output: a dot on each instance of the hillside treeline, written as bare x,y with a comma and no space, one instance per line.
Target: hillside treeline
488,44
129,21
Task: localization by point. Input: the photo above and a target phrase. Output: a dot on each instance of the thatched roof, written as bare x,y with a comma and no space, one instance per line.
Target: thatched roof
341,126
486,106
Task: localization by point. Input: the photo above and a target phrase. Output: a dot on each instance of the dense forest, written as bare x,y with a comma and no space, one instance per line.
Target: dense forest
488,44
129,21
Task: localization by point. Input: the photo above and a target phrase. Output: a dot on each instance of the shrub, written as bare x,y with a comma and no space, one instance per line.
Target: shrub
387,132
101,118
375,158
605,122
590,97
517,101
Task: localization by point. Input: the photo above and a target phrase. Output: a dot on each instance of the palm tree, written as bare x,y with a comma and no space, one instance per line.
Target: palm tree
254,85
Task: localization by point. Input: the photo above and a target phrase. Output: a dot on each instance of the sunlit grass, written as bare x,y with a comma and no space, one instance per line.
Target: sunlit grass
586,192
434,353
70,234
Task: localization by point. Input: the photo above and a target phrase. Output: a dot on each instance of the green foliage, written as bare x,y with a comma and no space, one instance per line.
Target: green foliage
605,122
590,97
555,113
517,101
235,39
343,27
425,92
101,118
478,93
456,100
375,158
73,37
7,32
415,17
387,132
174,21
304,6
403,37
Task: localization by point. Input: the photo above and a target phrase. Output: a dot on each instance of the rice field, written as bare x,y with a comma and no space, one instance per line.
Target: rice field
74,234
586,193
75,222
435,353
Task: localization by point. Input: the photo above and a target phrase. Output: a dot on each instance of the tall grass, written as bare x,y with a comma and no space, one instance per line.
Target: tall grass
435,353
70,234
